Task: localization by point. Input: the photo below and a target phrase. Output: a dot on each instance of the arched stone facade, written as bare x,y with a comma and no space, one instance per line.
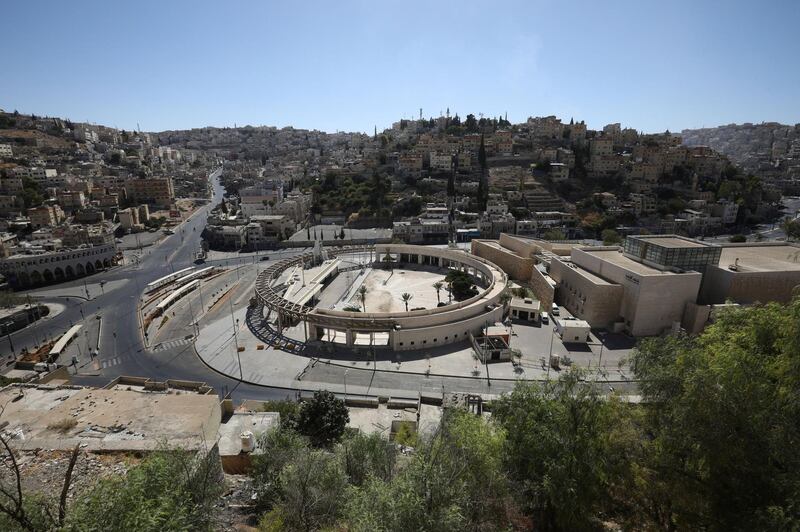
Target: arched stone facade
32,269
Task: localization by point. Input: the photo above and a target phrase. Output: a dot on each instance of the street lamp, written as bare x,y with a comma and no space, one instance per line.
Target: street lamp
345,385
8,335
550,354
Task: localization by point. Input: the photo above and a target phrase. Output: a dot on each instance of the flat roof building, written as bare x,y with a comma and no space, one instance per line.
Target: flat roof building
672,252
749,273
608,289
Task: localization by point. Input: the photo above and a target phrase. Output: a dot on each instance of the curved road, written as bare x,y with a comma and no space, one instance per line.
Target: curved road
121,340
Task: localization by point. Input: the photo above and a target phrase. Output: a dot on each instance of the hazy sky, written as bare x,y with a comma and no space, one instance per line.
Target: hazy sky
341,65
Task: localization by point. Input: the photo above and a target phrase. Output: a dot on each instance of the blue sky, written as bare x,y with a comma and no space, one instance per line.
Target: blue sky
351,65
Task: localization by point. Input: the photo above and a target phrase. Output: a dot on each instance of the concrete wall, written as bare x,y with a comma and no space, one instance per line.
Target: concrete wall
542,289
598,304
721,284
448,333
522,247
659,302
649,304
517,267
695,317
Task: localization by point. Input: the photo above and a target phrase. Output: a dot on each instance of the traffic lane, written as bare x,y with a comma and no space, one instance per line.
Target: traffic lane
182,362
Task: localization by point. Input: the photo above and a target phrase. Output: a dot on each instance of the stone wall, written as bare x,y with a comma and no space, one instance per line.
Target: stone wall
542,289
516,267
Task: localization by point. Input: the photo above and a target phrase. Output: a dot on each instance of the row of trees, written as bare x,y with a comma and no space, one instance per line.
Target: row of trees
711,446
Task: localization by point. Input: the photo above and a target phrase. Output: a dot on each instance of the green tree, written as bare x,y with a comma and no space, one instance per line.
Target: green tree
557,451
610,237
722,415
791,228
366,456
323,419
460,285
406,297
278,446
170,490
362,295
313,484
471,124
31,193
454,481
554,234
438,285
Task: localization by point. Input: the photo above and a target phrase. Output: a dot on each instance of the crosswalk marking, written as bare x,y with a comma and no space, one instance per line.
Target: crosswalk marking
111,362
172,343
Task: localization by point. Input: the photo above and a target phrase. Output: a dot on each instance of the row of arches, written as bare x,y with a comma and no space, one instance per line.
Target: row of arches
33,277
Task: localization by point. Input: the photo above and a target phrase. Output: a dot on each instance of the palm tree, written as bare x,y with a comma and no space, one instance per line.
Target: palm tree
438,286
406,297
505,297
362,293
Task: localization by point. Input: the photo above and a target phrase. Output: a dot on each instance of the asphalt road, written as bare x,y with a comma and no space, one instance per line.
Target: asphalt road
122,350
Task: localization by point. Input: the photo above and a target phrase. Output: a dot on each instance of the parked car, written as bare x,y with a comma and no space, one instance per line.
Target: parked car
555,311
545,318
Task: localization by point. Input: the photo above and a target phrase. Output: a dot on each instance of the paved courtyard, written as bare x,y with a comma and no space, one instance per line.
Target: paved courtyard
385,288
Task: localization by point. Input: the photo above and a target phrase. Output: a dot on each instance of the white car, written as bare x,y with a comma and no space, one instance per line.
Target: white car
545,318
555,311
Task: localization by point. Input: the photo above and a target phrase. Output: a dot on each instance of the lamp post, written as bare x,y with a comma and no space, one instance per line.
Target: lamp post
345,386
8,335
550,354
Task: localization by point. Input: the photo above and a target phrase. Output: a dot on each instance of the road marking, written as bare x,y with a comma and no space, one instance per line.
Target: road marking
172,343
111,362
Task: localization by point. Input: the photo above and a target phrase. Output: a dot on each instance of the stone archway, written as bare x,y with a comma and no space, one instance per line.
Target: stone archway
58,273
47,276
79,270
89,268
70,273
36,277
106,263
98,265
23,279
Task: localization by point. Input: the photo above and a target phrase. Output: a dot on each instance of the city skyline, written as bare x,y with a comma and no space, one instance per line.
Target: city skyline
355,66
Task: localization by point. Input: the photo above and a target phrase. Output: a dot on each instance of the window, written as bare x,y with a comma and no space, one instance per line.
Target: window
401,343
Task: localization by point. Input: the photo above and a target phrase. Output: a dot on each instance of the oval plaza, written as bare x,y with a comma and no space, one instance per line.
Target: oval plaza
380,296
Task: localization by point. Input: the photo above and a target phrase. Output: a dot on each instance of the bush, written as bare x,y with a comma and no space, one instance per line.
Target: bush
323,419
737,238
171,490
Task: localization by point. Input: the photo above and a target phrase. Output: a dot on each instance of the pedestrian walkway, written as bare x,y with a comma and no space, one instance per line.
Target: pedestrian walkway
173,343
111,362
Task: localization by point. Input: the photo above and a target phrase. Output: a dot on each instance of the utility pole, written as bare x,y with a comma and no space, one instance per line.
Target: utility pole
550,354
8,335
236,339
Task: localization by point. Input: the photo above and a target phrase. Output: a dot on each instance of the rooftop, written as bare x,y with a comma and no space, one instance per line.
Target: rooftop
670,241
615,257
761,258
49,417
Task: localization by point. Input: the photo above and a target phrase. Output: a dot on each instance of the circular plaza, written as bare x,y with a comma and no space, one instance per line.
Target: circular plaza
395,296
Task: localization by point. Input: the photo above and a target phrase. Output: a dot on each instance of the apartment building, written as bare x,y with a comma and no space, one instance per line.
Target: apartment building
158,191
45,216
600,146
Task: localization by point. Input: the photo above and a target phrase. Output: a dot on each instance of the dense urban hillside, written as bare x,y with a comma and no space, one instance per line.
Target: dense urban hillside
769,147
